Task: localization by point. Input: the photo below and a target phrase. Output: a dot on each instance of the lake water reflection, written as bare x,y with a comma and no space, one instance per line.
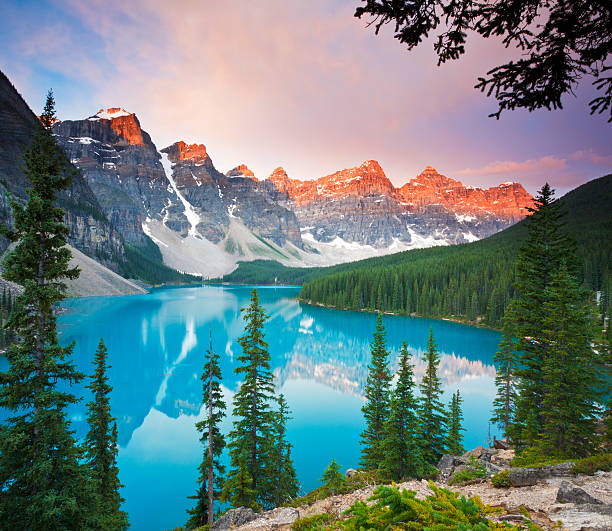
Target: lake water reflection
156,345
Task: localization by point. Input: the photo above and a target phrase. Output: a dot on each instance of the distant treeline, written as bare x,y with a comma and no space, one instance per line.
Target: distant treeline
471,282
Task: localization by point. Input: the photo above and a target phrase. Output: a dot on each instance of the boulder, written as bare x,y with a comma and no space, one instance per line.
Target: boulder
503,458
569,493
234,518
491,467
484,454
351,472
279,519
501,444
525,477
285,518
447,465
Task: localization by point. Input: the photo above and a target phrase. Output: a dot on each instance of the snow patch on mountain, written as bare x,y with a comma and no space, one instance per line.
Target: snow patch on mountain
109,114
461,218
191,215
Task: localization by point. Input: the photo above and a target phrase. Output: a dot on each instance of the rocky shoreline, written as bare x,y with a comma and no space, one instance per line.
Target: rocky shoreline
550,496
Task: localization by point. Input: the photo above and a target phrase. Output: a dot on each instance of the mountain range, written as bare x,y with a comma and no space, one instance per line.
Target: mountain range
472,282
140,210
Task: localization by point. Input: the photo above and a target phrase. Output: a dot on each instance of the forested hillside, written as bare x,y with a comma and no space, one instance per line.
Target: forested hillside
470,281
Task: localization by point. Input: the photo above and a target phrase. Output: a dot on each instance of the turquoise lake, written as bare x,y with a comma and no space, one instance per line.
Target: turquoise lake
156,345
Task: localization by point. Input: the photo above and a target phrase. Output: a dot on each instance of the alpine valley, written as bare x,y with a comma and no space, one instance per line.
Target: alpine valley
142,210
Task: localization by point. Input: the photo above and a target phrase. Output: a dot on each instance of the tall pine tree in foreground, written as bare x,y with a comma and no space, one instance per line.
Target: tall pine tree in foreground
283,480
454,437
101,447
249,447
402,453
571,370
43,483
505,400
377,395
546,247
431,409
211,469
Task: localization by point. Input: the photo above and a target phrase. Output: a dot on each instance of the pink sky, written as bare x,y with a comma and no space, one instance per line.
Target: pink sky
303,85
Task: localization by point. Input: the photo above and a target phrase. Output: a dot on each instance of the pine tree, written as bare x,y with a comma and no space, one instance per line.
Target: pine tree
545,248
571,371
431,409
252,431
454,437
504,403
333,480
238,489
402,453
43,483
100,448
211,469
606,355
284,483
377,395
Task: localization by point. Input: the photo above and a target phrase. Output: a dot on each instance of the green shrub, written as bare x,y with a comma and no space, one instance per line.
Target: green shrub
402,510
590,465
312,523
475,471
501,480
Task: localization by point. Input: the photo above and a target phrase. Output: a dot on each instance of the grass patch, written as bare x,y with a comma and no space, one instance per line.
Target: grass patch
276,251
532,458
233,247
475,472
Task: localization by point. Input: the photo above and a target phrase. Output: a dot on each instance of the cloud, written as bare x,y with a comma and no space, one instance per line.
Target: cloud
564,171
509,167
591,156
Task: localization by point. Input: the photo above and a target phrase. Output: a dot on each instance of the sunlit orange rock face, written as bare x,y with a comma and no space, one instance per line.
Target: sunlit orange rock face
124,124
242,170
193,152
508,200
365,180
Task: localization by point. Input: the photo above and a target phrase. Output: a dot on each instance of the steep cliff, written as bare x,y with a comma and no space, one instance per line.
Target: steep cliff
217,198
121,165
90,230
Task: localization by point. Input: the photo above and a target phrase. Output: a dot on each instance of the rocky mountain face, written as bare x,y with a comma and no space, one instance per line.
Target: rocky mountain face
361,206
241,170
202,221
507,202
90,230
121,165
216,198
